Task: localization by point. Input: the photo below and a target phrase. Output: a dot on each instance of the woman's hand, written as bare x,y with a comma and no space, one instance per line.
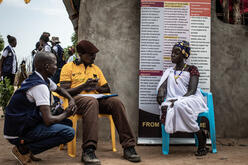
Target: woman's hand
172,102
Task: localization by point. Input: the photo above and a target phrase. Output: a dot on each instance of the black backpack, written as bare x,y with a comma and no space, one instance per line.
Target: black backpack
59,55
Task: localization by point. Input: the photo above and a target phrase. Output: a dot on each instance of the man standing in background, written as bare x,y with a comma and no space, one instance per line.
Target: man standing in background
8,62
58,50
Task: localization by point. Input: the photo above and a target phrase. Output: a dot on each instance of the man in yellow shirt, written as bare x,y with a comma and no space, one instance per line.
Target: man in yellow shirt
84,77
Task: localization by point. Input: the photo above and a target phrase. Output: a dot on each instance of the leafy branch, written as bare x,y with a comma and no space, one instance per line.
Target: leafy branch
6,91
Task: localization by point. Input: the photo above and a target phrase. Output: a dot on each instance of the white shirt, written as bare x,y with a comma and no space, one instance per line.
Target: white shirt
6,53
47,48
55,48
72,58
40,94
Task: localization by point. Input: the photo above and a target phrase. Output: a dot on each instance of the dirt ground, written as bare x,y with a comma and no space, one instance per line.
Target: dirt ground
230,151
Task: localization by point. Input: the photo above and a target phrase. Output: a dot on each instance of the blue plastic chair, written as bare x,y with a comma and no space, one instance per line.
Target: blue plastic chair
209,114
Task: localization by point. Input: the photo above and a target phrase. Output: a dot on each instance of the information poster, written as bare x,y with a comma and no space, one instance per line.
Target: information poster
163,23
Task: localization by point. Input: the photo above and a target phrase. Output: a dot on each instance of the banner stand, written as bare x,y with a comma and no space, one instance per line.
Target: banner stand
162,24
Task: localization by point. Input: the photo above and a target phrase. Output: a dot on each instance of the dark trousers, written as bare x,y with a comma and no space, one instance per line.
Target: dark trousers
10,76
56,76
90,107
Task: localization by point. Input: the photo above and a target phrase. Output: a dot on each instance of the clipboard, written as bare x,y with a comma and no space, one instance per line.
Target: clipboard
99,96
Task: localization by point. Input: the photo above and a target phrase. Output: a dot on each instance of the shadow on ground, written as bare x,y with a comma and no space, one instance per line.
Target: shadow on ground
230,151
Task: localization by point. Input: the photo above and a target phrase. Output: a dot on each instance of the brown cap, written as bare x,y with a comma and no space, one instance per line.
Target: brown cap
86,47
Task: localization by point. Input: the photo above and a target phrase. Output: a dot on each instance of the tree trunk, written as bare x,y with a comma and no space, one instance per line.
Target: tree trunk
225,6
236,12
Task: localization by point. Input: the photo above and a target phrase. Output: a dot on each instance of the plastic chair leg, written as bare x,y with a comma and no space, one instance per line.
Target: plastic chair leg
213,136
165,141
72,144
61,146
112,128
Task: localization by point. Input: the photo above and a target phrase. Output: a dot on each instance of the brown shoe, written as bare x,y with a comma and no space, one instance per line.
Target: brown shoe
24,159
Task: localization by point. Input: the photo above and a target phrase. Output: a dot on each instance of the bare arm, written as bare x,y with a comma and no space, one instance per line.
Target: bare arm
49,119
103,89
193,83
89,85
72,91
162,91
64,93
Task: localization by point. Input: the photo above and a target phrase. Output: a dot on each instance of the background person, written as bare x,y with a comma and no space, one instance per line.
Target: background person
23,73
84,77
180,99
59,52
44,38
72,55
29,124
34,52
8,62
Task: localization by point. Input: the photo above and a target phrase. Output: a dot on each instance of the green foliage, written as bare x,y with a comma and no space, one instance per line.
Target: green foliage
66,55
1,43
6,91
74,39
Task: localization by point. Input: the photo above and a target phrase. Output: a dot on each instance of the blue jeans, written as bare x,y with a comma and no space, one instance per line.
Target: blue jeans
43,137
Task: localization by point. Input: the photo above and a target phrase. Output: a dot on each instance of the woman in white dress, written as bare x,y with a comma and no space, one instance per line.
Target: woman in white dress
179,98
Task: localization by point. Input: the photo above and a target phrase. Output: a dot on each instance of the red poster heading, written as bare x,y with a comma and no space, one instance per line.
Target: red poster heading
199,9
152,4
150,72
